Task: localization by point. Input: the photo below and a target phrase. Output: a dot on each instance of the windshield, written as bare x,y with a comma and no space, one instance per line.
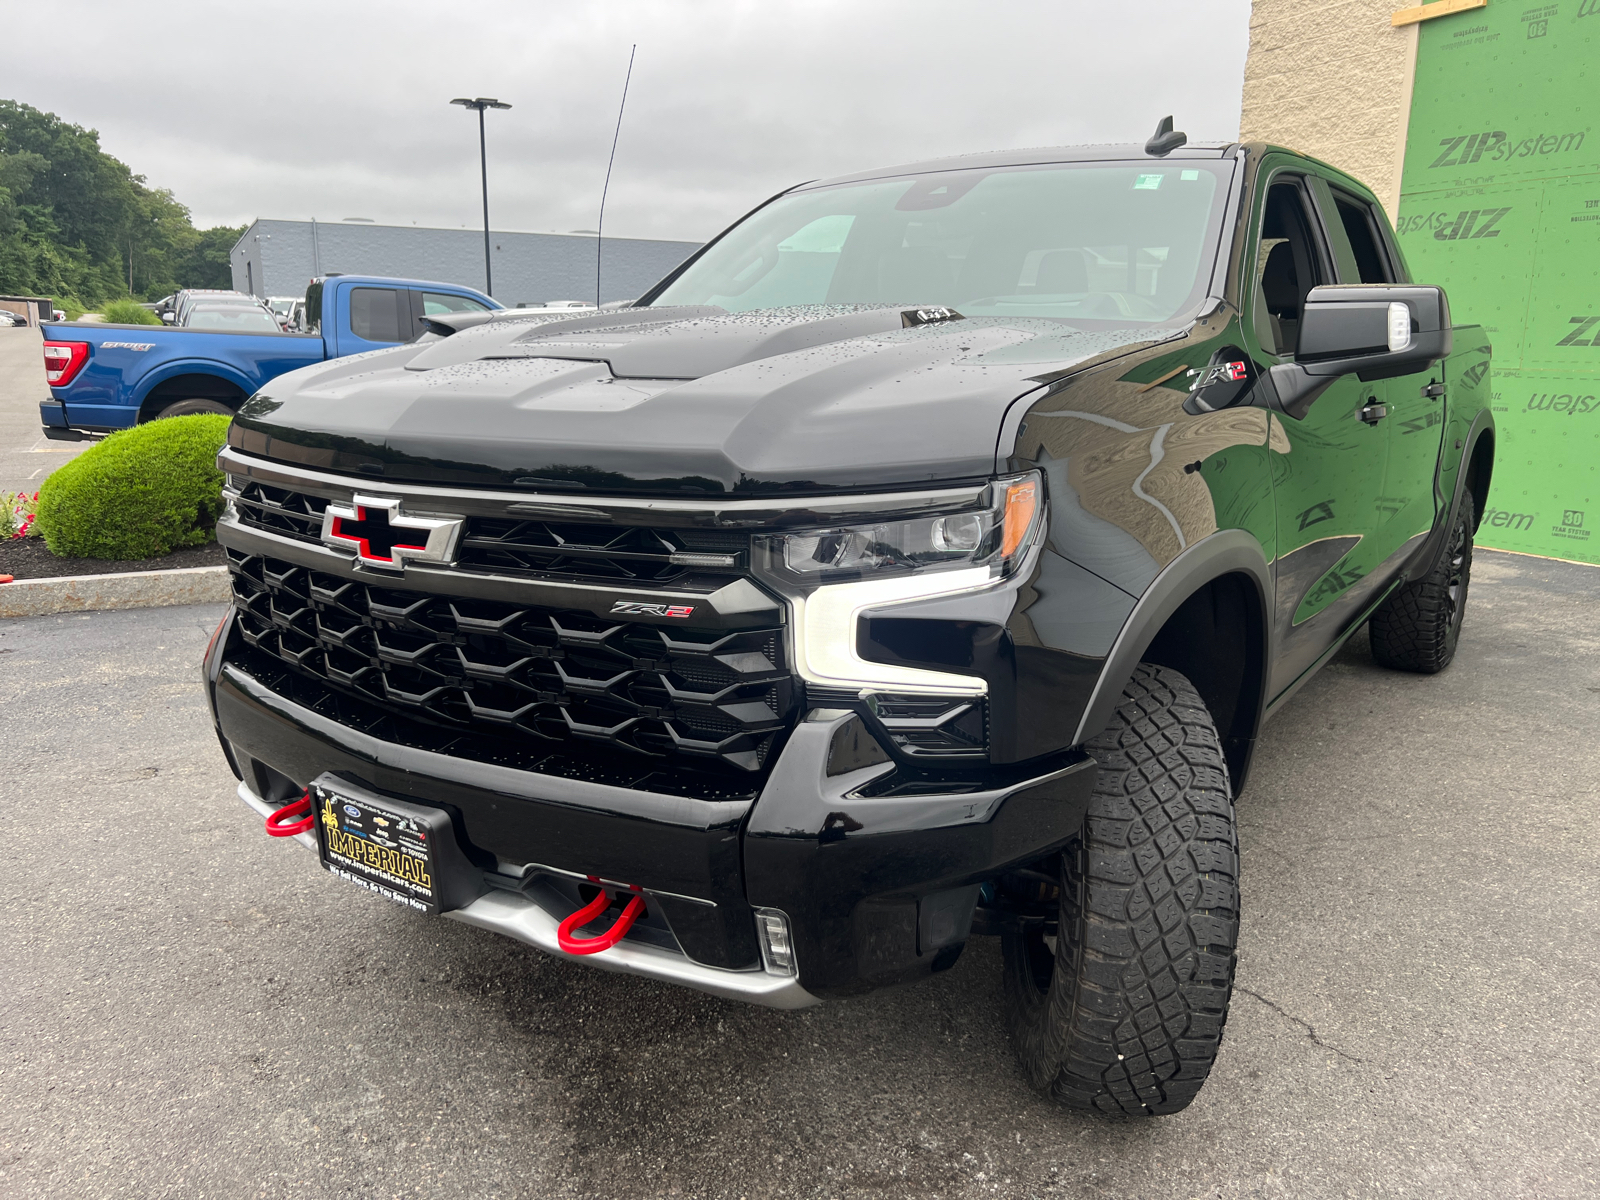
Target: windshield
1096,242
239,319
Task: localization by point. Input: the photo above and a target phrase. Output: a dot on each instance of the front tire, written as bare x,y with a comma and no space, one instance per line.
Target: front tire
1124,1013
1417,628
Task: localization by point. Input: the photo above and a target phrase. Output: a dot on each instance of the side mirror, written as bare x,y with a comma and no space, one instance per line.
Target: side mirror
168,318
1373,331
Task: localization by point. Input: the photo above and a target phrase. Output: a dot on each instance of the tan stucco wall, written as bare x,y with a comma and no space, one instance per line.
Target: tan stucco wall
1332,79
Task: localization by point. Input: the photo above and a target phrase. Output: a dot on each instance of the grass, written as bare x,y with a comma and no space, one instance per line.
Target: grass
129,312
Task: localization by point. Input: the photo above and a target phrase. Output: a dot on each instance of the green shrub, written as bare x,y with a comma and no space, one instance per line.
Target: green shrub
142,492
128,312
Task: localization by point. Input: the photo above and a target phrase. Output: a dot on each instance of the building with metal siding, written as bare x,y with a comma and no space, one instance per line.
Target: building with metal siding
278,258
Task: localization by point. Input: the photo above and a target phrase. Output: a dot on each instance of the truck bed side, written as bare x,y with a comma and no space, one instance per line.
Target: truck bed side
130,365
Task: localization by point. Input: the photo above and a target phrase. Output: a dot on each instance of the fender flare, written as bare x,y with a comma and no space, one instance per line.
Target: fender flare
1482,424
1226,552
190,366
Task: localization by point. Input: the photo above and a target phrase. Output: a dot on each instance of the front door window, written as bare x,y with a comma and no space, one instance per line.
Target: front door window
1328,468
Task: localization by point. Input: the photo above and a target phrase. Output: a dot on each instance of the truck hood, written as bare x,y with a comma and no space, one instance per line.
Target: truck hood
677,401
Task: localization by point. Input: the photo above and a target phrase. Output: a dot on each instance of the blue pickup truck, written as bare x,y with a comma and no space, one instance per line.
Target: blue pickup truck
107,377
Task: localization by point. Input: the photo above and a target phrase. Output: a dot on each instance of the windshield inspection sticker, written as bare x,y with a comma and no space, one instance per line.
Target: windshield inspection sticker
1150,182
1188,175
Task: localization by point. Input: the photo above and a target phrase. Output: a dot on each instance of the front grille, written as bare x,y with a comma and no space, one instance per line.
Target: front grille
533,548
278,510
588,694
626,554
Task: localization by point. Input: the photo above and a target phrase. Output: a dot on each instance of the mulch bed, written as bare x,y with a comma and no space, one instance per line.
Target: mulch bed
30,558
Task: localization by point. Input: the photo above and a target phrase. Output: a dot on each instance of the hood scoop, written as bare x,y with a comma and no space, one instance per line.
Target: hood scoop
472,337
687,343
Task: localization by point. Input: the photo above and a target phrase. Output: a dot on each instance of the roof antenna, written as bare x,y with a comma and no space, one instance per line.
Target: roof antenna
600,225
1164,140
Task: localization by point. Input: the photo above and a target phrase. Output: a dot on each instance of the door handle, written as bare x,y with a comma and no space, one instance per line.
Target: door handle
1373,412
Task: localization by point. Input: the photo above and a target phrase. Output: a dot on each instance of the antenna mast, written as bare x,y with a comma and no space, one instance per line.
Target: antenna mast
600,225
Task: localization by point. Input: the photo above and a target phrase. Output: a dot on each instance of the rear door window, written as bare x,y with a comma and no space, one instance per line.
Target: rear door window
1359,221
377,315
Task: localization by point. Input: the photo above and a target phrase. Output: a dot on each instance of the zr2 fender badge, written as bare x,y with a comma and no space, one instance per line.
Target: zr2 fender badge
640,609
1223,372
1222,382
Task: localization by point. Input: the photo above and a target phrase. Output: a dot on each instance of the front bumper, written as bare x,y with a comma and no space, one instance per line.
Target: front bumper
877,888
526,920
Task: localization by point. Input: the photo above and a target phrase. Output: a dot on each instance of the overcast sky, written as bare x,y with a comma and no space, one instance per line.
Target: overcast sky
338,110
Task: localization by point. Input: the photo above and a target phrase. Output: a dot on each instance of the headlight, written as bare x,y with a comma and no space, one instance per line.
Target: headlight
992,537
832,576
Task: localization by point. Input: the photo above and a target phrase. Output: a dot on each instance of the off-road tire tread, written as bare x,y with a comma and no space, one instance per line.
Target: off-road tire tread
1149,915
1412,630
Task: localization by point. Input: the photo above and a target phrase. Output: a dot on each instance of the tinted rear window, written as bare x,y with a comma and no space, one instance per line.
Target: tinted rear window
235,318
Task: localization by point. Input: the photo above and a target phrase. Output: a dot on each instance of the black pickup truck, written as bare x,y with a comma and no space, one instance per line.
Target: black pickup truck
919,561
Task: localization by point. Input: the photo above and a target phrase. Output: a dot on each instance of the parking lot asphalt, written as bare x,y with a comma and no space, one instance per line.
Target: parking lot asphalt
26,456
192,1009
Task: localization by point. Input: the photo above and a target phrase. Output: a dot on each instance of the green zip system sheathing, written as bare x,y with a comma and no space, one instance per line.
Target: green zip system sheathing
1500,203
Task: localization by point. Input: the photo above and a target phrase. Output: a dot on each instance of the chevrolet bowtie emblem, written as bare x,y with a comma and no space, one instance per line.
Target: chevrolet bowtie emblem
383,536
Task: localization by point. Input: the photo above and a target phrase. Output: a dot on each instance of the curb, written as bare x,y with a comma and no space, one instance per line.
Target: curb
131,589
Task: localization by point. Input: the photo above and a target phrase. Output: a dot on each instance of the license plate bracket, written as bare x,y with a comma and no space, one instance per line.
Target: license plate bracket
406,853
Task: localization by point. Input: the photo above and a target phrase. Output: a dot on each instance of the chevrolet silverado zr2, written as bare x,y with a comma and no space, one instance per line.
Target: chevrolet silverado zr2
917,562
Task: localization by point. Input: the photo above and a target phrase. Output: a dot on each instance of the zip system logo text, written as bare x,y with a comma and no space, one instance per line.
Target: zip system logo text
1581,335
1468,223
1496,146
1502,518
1478,223
1561,402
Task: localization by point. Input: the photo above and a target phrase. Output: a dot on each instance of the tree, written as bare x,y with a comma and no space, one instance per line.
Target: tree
76,222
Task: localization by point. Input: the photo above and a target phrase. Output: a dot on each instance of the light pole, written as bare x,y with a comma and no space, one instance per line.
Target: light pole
481,103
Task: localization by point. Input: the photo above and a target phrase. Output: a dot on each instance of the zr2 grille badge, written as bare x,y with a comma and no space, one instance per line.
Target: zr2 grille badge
641,609
384,536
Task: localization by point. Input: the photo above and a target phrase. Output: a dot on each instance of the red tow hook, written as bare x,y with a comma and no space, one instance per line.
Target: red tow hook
606,940
301,808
